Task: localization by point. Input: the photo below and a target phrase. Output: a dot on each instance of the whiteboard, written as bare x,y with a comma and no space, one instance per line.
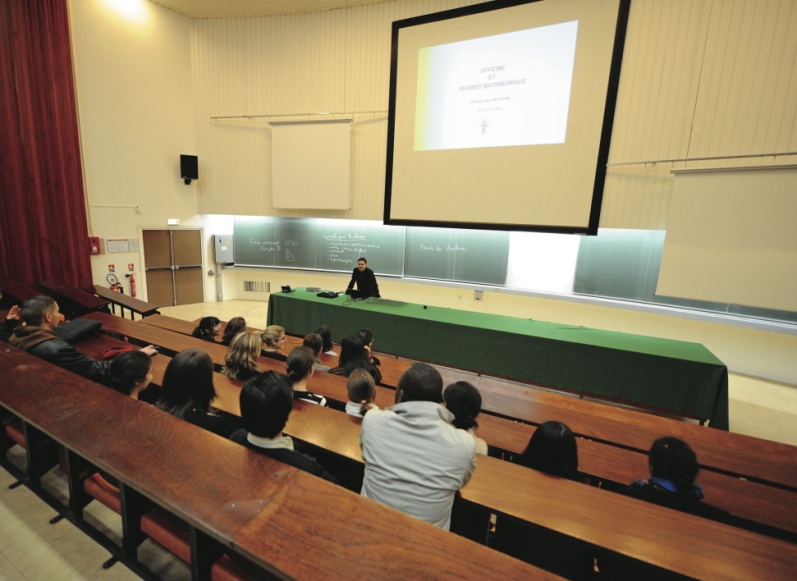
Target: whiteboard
311,165
732,237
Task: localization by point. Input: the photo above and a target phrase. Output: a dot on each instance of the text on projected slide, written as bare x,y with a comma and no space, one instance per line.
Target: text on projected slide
496,91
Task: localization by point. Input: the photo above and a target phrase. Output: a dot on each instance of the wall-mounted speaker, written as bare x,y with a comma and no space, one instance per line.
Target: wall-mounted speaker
189,168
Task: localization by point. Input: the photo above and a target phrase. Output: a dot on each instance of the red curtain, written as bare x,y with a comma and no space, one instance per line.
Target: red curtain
43,231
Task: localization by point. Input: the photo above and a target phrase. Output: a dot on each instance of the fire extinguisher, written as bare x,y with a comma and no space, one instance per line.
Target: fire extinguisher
132,277
113,282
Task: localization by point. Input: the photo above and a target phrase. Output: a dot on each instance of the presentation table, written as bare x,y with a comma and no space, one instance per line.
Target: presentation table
681,377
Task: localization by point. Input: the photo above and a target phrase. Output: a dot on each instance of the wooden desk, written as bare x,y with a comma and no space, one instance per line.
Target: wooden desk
246,502
15,293
170,324
72,300
132,304
601,459
746,456
655,535
386,545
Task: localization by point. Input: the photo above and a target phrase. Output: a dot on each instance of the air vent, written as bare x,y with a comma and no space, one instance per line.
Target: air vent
256,286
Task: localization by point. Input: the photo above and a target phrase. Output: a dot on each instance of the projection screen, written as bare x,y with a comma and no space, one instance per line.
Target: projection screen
501,113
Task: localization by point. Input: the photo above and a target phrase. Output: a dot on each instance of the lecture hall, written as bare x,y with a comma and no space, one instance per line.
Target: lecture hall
620,258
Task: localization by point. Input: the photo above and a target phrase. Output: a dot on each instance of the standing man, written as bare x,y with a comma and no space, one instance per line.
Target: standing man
365,279
415,459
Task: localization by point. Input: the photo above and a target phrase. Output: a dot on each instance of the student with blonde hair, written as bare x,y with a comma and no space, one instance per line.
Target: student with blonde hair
274,340
241,360
361,390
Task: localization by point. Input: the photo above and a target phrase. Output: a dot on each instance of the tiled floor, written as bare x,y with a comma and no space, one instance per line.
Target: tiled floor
31,549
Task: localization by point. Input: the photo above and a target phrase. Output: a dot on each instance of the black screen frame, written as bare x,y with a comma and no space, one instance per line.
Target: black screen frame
606,129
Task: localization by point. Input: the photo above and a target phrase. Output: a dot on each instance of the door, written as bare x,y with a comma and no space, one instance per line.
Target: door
174,267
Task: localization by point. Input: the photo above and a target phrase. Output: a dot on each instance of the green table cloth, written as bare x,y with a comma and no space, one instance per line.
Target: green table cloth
682,377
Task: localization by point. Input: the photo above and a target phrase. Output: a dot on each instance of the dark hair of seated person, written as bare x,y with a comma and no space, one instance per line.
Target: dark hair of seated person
421,382
353,355
234,326
129,371
300,364
674,460
465,402
206,329
326,337
188,383
314,342
552,449
266,402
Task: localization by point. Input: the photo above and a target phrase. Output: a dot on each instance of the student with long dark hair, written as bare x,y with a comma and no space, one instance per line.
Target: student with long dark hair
131,373
353,355
187,392
208,329
234,326
552,450
326,337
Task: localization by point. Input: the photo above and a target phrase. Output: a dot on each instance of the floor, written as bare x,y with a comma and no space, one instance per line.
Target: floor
32,549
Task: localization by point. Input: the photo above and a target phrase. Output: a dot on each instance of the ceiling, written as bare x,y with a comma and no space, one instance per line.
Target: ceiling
248,8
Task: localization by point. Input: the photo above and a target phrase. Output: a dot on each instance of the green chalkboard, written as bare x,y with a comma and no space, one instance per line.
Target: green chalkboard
436,253
463,255
340,243
254,243
318,244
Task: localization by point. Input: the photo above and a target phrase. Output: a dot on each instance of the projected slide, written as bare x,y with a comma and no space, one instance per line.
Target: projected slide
495,91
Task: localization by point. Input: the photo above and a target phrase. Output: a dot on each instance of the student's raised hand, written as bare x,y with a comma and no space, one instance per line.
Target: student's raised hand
13,313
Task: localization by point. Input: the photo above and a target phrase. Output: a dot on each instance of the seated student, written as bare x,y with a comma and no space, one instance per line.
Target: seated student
42,316
415,460
465,402
208,329
326,337
242,358
234,326
361,390
353,355
266,402
367,338
274,340
673,469
187,392
300,370
552,449
314,342
130,373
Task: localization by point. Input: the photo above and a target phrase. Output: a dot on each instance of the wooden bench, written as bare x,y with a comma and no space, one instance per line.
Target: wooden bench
132,304
72,301
232,498
605,461
16,293
611,523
